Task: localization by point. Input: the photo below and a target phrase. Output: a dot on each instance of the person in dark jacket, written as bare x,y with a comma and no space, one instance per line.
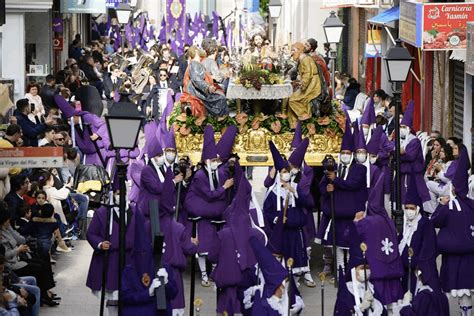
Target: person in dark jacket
31,131
351,93
47,93
20,185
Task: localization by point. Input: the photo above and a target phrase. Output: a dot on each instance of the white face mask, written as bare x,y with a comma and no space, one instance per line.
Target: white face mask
346,158
170,156
214,165
117,200
361,157
160,161
404,132
411,214
285,177
294,171
373,160
360,275
366,131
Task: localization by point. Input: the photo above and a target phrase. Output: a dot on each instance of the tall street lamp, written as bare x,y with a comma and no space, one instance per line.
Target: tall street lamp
274,7
123,132
398,61
333,28
123,16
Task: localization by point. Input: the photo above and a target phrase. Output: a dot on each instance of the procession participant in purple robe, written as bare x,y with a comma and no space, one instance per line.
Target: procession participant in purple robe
206,199
362,293
151,179
361,155
81,135
284,207
368,120
302,174
373,149
454,217
177,244
232,253
428,298
226,143
378,232
348,184
270,297
418,233
412,162
344,305
96,236
139,281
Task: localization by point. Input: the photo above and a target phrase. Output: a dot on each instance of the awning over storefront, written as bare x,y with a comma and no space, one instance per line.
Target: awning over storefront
387,17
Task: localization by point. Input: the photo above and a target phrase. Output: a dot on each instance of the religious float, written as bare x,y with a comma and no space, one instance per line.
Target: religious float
256,82
257,95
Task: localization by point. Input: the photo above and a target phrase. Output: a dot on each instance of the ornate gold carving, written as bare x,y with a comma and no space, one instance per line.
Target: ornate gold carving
254,144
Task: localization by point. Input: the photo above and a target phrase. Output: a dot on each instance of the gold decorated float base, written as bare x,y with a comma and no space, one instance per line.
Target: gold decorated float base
253,150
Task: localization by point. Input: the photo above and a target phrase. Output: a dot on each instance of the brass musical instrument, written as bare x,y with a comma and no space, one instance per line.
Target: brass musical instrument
141,72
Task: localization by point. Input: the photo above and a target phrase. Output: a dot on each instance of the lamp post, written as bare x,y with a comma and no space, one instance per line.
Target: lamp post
333,30
123,133
398,61
274,7
123,16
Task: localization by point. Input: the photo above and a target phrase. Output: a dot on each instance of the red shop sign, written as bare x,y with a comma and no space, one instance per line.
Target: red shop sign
444,25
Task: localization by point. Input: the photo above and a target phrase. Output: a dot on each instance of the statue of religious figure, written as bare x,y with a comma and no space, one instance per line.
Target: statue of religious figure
308,86
199,90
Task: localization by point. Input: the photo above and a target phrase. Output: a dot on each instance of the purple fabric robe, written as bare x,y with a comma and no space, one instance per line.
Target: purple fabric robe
96,234
85,144
412,164
347,202
427,303
423,237
150,189
456,244
379,233
201,201
291,242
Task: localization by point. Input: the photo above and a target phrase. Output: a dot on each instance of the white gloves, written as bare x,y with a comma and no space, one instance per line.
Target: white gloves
162,273
248,296
298,306
367,301
407,298
154,285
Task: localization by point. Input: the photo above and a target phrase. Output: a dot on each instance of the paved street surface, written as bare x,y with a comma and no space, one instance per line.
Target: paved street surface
71,272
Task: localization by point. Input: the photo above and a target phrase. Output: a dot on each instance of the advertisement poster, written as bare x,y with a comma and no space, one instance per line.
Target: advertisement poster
373,47
83,6
444,25
411,15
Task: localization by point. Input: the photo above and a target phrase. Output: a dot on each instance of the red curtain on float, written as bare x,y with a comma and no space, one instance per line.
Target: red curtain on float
369,75
412,88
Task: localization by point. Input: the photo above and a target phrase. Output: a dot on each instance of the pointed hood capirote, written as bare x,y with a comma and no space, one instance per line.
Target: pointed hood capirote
347,138
272,270
369,114
373,146
297,156
209,150
240,223
360,141
225,144
154,147
169,140
278,160
407,119
67,109
412,196
297,137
